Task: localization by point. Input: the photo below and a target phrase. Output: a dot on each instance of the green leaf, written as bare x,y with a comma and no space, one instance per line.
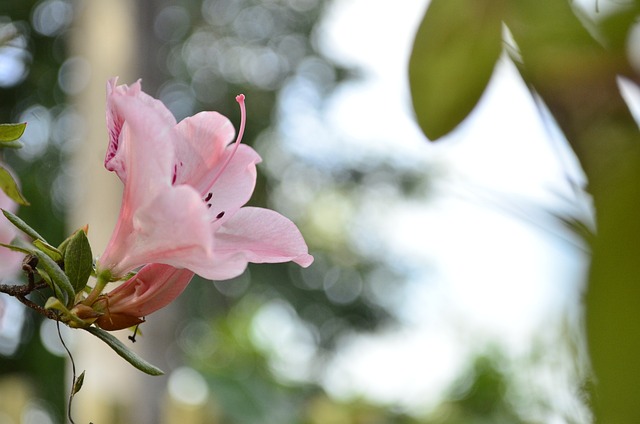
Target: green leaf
454,53
11,145
58,277
11,132
22,226
16,248
63,246
51,251
124,352
78,260
10,187
77,385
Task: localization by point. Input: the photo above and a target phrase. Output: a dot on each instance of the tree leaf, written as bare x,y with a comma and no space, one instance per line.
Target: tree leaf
16,248
21,225
51,251
11,132
63,246
454,53
58,277
10,187
78,260
124,352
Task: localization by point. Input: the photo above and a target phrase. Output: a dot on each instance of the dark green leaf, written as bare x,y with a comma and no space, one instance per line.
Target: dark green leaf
10,187
454,53
11,132
78,260
63,246
51,251
124,352
58,277
21,225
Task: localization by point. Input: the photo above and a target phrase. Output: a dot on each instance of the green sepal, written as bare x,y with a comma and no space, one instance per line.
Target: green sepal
68,317
78,260
9,185
51,251
10,133
54,303
58,278
22,226
124,352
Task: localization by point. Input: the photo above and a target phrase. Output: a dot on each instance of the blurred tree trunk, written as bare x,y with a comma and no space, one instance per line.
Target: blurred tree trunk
104,36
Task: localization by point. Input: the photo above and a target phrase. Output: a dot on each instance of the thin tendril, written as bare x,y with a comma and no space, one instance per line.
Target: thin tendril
73,368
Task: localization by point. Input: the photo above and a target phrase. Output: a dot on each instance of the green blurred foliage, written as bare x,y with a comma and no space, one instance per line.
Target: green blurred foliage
34,54
572,60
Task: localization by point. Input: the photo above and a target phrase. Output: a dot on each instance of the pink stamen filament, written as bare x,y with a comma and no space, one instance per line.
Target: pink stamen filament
243,119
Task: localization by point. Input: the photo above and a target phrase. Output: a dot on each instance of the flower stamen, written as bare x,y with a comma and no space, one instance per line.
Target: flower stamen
243,119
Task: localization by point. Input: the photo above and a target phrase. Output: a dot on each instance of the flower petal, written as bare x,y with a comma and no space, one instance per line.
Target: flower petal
157,220
234,186
152,288
171,228
116,118
204,139
255,235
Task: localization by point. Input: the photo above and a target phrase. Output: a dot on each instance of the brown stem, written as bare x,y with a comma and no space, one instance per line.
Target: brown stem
21,292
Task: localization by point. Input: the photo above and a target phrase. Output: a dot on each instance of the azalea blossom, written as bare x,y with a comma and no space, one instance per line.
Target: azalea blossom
151,289
185,187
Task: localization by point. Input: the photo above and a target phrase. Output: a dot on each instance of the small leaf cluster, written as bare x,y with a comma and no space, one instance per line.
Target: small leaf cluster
9,135
65,269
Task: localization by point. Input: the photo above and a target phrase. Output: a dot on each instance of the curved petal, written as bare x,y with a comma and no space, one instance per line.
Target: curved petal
253,235
116,118
171,228
234,186
204,138
152,288
156,219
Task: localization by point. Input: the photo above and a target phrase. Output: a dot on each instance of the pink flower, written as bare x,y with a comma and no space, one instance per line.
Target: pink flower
185,186
151,289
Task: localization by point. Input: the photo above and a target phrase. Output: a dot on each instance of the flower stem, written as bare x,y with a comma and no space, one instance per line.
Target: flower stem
101,283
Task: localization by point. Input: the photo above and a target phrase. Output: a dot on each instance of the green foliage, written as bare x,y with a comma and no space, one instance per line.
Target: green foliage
10,187
22,226
78,260
49,261
10,133
453,56
572,62
49,250
62,286
77,385
124,351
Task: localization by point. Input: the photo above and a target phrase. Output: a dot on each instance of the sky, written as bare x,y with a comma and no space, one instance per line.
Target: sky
487,265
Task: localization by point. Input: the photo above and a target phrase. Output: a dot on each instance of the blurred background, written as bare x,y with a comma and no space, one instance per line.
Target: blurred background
445,288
